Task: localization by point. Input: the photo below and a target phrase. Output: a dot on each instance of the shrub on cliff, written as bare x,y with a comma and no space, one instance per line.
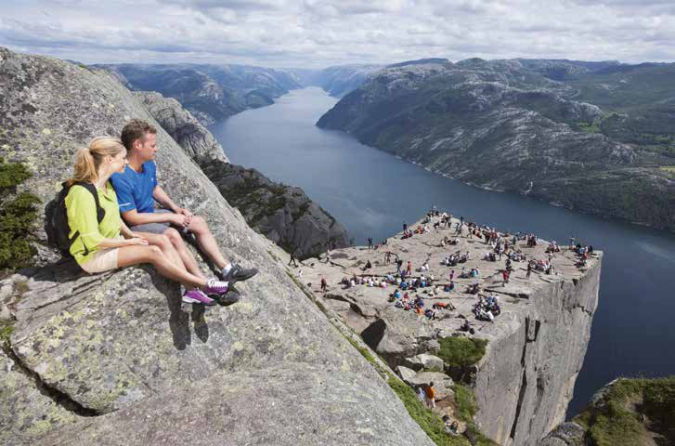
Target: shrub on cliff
17,216
461,352
632,412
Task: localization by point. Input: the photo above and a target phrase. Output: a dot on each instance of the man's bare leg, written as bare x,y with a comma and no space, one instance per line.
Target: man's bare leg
206,241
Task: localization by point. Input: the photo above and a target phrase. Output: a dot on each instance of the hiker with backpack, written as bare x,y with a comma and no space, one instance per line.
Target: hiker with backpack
98,239
138,190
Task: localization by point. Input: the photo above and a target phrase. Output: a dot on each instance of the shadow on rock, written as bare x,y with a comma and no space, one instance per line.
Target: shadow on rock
199,322
179,320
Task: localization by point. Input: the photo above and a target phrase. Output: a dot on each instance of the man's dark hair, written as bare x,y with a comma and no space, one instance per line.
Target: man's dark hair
135,129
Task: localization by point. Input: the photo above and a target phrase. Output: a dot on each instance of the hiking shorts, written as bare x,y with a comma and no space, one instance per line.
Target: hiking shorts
103,260
153,228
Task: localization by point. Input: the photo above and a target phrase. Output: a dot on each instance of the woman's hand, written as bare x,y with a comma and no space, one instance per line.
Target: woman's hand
135,240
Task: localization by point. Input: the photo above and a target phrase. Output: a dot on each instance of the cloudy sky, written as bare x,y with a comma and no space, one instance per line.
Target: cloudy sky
321,33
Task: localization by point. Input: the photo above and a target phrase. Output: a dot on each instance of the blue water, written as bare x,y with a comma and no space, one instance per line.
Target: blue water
372,193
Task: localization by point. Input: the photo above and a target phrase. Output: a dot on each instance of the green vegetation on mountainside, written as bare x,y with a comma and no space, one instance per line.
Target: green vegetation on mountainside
592,136
462,352
632,412
17,217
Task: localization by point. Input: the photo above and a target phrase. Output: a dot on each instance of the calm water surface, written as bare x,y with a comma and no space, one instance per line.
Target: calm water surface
372,193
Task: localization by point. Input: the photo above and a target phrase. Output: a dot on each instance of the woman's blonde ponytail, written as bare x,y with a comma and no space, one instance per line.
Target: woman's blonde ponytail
89,159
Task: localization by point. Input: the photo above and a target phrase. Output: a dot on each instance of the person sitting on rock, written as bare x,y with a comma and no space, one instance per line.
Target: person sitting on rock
137,188
110,244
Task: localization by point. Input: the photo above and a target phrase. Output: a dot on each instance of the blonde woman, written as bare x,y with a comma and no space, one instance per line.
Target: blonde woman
110,244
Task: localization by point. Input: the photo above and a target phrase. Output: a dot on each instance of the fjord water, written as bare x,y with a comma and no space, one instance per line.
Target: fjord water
372,193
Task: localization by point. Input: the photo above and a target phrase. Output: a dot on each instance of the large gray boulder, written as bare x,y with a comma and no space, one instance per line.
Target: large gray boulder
567,434
119,352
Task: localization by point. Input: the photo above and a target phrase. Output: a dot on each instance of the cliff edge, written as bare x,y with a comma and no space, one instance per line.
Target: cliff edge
535,347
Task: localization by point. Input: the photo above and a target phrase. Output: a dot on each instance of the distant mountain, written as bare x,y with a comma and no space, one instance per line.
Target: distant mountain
210,92
593,136
340,80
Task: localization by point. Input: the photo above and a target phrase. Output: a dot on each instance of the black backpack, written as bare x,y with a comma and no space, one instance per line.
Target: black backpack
58,228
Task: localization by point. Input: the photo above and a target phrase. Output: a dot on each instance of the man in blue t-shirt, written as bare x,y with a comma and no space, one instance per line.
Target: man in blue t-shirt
137,190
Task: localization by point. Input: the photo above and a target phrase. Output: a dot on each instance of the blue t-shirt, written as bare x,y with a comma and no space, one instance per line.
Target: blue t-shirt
134,190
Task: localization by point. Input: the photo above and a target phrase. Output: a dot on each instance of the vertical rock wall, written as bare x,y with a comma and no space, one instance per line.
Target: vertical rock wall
527,377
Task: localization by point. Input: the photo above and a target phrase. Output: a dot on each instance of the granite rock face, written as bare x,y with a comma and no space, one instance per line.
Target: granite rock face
184,128
284,214
131,364
567,434
524,385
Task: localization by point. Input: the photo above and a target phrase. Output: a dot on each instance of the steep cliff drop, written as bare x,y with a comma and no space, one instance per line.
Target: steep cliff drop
115,359
282,213
535,348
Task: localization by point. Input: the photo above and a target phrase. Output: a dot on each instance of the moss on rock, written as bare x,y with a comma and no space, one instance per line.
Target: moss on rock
17,216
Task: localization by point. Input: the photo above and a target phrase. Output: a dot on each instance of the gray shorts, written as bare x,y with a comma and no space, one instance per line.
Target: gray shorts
153,228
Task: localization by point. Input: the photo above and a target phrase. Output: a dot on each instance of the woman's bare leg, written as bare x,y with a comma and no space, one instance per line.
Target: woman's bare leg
134,255
163,242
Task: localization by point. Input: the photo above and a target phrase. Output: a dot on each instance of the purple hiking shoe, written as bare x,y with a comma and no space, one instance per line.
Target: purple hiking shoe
197,296
216,287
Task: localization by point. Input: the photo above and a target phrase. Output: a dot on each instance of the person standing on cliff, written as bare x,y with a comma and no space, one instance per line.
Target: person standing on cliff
505,274
293,261
137,190
430,395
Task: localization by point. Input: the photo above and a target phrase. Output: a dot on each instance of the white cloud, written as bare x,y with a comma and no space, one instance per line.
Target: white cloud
319,33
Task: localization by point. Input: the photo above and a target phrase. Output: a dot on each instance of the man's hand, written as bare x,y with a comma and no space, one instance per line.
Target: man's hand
184,211
181,220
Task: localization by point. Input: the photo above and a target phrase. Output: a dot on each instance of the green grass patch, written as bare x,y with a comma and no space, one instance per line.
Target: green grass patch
274,257
430,423
462,352
466,403
620,420
588,128
365,353
6,330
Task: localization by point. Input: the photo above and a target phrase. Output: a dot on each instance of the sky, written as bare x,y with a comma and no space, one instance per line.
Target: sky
320,33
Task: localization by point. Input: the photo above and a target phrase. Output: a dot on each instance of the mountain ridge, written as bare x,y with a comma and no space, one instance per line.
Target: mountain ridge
504,126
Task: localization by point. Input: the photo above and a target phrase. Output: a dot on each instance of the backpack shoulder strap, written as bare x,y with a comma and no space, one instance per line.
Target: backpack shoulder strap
100,212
